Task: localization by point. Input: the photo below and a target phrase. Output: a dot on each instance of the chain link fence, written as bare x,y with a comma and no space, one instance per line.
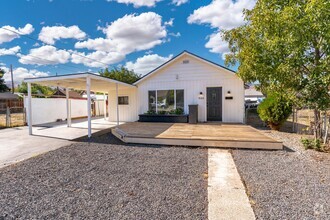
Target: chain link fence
301,121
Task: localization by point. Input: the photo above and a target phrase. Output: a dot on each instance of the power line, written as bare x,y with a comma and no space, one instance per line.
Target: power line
49,61
26,36
38,57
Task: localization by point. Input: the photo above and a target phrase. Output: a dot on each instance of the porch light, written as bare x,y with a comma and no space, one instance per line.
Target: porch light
228,95
201,96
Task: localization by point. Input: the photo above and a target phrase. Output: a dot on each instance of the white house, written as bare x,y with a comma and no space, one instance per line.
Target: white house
185,79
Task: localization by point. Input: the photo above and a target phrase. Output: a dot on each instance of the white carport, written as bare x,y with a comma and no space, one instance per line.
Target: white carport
80,81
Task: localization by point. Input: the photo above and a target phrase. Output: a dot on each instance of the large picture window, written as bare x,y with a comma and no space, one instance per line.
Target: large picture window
163,101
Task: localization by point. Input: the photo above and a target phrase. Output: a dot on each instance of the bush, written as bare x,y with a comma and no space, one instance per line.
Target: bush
307,143
274,110
312,144
178,111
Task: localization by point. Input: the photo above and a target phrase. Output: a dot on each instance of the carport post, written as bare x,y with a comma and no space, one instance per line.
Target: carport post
88,90
68,107
117,103
29,108
104,107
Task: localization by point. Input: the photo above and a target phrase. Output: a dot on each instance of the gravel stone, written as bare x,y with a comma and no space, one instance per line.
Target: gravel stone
287,184
106,179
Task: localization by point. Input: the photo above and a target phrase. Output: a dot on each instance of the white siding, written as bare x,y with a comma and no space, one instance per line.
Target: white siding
194,78
45,110
126,112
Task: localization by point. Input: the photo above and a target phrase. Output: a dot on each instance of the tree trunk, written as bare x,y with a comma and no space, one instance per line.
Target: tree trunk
317,124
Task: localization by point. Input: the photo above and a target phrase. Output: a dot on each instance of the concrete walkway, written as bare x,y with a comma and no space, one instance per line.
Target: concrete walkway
17,145
226,193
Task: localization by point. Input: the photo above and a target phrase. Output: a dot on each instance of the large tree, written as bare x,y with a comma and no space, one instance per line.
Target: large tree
35,89
121,74
3,86
285,46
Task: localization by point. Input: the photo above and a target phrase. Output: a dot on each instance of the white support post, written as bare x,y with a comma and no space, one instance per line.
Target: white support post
104,107
29,108
68,108
89,110
117,103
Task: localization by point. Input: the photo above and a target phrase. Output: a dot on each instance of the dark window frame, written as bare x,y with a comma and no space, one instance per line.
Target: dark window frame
156,98
123,100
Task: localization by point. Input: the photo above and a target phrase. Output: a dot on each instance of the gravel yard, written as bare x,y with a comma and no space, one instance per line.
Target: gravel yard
107,180
288,184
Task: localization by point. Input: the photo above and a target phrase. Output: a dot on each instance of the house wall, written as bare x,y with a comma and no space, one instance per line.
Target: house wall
194,78
126,112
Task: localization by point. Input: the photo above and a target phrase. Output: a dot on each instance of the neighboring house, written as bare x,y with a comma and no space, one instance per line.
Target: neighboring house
184,80
8,99
252,97
60,93
252,94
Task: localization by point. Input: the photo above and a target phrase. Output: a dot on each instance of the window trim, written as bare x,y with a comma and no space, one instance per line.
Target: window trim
156,93
121,97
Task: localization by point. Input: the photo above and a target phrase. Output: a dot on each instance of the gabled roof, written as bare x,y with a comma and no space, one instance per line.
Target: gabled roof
72,94
185,52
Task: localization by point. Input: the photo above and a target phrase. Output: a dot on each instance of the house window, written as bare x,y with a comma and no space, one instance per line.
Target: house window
122,100
165,100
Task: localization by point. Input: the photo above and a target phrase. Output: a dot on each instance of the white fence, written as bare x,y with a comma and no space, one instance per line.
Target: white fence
45,110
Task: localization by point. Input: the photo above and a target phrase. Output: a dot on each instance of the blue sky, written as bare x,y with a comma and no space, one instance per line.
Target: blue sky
139,34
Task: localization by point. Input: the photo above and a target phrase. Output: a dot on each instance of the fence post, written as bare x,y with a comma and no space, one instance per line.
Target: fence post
8,117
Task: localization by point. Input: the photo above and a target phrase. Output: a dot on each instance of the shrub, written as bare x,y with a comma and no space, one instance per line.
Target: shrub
307,143
312,144
150,112
178,111
274,110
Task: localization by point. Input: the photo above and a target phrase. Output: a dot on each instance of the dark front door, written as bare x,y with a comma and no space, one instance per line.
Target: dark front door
214,104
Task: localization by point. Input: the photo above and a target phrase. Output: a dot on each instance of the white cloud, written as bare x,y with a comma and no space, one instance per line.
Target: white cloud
126,35
223,14
100,56
169,23
145,64
45,55
138,3
99,44
50,34
10,51
20,73
175,34
179,2
217,45
7,36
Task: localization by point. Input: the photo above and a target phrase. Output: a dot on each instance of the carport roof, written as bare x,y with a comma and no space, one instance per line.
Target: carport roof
78,81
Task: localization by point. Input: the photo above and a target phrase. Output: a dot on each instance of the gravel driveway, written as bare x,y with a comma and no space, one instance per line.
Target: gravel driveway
107,180
289,184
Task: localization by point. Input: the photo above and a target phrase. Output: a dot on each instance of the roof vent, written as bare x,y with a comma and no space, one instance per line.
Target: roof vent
185,61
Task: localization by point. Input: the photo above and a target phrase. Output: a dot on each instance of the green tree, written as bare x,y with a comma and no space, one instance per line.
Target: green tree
285,46
121,74
35,89
3,86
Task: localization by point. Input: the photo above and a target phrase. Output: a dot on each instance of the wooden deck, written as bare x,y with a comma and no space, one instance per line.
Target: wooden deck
204,134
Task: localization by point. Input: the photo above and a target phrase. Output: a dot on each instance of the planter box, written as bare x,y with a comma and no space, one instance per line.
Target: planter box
164,118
